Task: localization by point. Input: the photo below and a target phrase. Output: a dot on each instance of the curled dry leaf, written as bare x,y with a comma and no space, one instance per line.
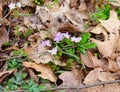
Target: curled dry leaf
74,3
82,6
113,65
46,71
86,59
4,74
115,2
92,61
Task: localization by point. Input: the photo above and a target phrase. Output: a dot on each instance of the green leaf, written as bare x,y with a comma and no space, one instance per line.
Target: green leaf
69,42
19,52
85,38
42,87
61,91
81,50
30,82
28,33
90,45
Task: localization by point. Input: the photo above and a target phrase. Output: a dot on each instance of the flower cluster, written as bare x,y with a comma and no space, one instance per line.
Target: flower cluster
13,5
57,38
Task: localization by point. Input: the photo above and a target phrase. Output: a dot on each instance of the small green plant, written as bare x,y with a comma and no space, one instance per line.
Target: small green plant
102,12
20,34
39,2
19,52
6,43
13,63
67,47
28,33
16,81
17,33
31,86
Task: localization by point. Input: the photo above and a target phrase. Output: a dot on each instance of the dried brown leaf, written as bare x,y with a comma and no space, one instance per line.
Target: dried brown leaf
32,75
46,71
40,54
3,36
86,59
118,61
113,65
69,80
97,75
4,74
107,47
72,78
115,2
97,30
82,6
118,45
112,24
27,3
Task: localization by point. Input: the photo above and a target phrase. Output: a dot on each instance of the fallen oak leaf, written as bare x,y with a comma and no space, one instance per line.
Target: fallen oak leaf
106,47
46,71
112,24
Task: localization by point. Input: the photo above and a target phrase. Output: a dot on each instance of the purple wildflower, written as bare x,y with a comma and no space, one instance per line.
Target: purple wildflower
53,51
46,43
58,37
76,39
66,35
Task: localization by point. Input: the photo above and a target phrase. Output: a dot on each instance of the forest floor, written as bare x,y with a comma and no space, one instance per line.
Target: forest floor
59,45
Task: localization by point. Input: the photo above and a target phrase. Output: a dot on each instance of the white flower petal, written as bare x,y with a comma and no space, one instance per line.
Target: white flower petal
11,6
19,4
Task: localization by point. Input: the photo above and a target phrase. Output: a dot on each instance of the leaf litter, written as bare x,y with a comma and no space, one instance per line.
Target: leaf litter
102,63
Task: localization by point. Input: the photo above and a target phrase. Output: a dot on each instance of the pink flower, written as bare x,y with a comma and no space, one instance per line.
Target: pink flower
58,37
76,39
53,51
46,43
66,35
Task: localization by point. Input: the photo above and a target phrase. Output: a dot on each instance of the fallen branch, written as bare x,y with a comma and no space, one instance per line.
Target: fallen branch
83,87
75,88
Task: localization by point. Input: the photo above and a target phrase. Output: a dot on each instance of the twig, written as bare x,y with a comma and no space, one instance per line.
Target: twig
83,87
